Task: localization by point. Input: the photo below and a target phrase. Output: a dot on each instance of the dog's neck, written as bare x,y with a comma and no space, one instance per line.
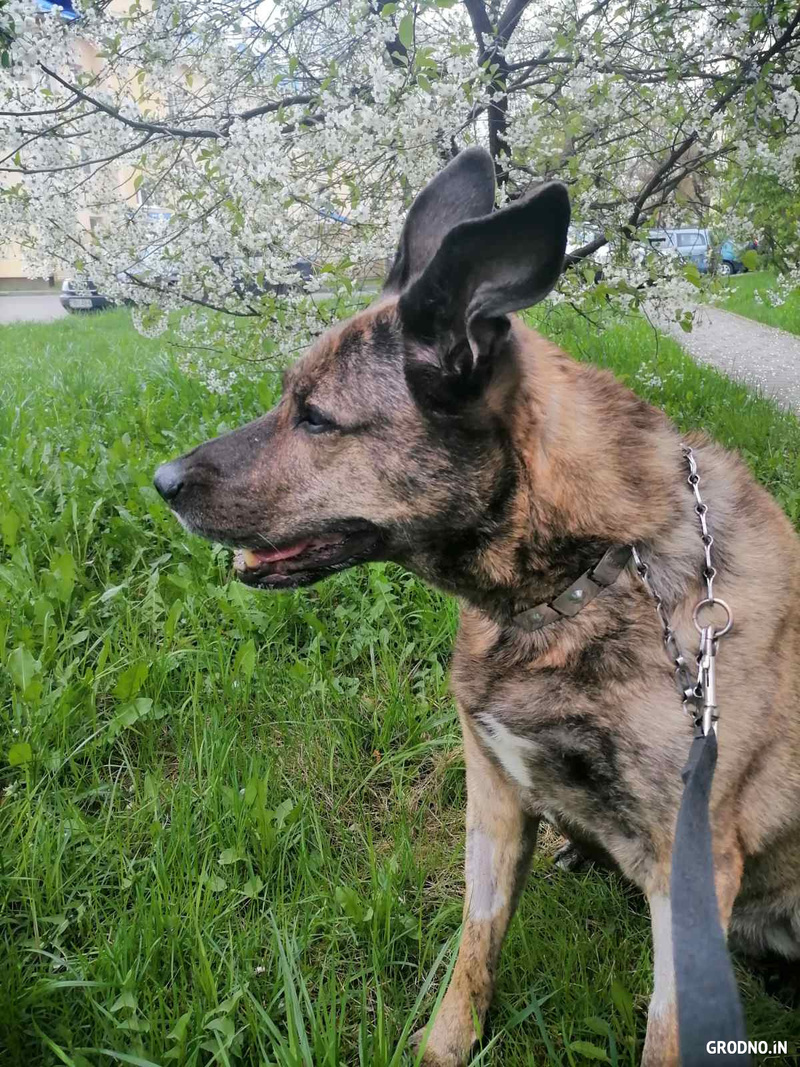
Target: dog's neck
594,466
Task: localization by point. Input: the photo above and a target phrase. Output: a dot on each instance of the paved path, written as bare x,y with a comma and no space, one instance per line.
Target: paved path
30,307
762,356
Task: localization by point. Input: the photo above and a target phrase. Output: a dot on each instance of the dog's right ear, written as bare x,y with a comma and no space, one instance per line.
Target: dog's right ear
463,190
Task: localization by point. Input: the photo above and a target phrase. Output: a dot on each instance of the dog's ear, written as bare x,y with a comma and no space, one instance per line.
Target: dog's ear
463,190
484,269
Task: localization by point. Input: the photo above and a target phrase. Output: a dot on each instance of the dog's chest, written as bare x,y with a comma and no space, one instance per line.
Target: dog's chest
569,747
570,763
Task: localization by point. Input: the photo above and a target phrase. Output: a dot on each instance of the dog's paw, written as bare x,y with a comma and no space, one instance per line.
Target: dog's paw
433,1057
570,857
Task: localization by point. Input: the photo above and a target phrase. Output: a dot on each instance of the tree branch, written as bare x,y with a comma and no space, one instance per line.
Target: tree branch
176,131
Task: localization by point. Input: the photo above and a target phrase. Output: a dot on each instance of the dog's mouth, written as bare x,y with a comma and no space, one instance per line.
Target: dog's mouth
287,564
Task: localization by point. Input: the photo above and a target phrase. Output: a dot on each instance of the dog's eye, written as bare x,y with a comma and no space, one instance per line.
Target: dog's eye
312,420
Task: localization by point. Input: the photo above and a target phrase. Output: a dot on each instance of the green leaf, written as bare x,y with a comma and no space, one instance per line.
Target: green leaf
692,274
253,886
589,1051
226,1006
405,31
231,855
126,1000
10,524
285,812
350,903
111,592
78,638
131,680
387,10
20,753
622,1000
130,714
173,619
22,667
214,882
178,1033
750,259
251,791
245,662
63,567
600,1026
223,1026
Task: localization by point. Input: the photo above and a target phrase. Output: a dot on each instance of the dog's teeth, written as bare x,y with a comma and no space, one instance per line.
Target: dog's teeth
250,558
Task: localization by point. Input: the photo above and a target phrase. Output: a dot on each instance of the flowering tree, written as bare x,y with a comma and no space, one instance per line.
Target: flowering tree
191,154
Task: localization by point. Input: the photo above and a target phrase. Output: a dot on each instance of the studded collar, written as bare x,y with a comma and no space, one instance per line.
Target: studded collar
576,596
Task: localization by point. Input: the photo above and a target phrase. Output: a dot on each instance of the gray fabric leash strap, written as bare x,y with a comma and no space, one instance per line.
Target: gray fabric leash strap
709,1008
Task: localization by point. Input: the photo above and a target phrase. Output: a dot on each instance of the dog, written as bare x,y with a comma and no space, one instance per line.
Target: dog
436,430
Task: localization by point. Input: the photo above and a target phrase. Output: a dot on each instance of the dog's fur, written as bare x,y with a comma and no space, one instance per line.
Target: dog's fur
434,430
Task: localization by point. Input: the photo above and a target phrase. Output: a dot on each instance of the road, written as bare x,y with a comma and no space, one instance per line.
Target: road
30,307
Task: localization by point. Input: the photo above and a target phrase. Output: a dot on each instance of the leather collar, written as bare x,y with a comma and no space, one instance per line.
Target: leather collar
576,596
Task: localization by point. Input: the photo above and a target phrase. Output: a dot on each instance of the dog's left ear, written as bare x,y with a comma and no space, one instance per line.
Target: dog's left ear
463,190
484,269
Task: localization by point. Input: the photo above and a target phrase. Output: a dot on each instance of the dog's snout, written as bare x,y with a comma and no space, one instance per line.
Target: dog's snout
169,480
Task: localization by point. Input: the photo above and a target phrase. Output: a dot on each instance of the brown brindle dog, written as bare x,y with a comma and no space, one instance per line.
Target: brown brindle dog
434,430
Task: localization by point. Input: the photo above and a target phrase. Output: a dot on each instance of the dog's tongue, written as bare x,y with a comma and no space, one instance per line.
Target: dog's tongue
272,555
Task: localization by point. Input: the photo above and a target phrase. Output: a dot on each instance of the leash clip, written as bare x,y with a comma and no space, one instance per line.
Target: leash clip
708,682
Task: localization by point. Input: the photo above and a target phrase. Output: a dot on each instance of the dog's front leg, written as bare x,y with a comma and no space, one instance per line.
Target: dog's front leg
500,841
661,1041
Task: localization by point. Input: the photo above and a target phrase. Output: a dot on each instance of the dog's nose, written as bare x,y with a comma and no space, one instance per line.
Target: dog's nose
169,480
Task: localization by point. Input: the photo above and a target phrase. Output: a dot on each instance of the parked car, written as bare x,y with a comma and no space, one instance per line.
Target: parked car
690,245
85,296
82,296
729,261
152,267
694,245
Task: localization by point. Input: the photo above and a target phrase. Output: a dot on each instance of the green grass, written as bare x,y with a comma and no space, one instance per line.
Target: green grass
749,296
236,834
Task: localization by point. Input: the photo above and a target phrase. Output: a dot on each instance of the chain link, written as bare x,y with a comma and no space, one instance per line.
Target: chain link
698,693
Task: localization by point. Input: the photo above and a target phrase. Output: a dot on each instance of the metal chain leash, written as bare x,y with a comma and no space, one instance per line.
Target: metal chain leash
698,694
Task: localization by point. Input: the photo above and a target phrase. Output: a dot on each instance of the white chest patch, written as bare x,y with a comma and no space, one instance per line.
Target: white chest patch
509,748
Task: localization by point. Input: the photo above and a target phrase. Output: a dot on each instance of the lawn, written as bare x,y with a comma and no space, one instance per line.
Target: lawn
749,296
231,823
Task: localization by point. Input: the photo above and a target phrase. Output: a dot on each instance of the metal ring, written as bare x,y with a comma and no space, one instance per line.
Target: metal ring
711,602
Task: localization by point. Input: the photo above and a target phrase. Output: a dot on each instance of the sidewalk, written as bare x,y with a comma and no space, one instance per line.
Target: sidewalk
763,356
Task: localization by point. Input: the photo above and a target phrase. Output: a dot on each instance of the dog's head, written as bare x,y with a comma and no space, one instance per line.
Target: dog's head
388,442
